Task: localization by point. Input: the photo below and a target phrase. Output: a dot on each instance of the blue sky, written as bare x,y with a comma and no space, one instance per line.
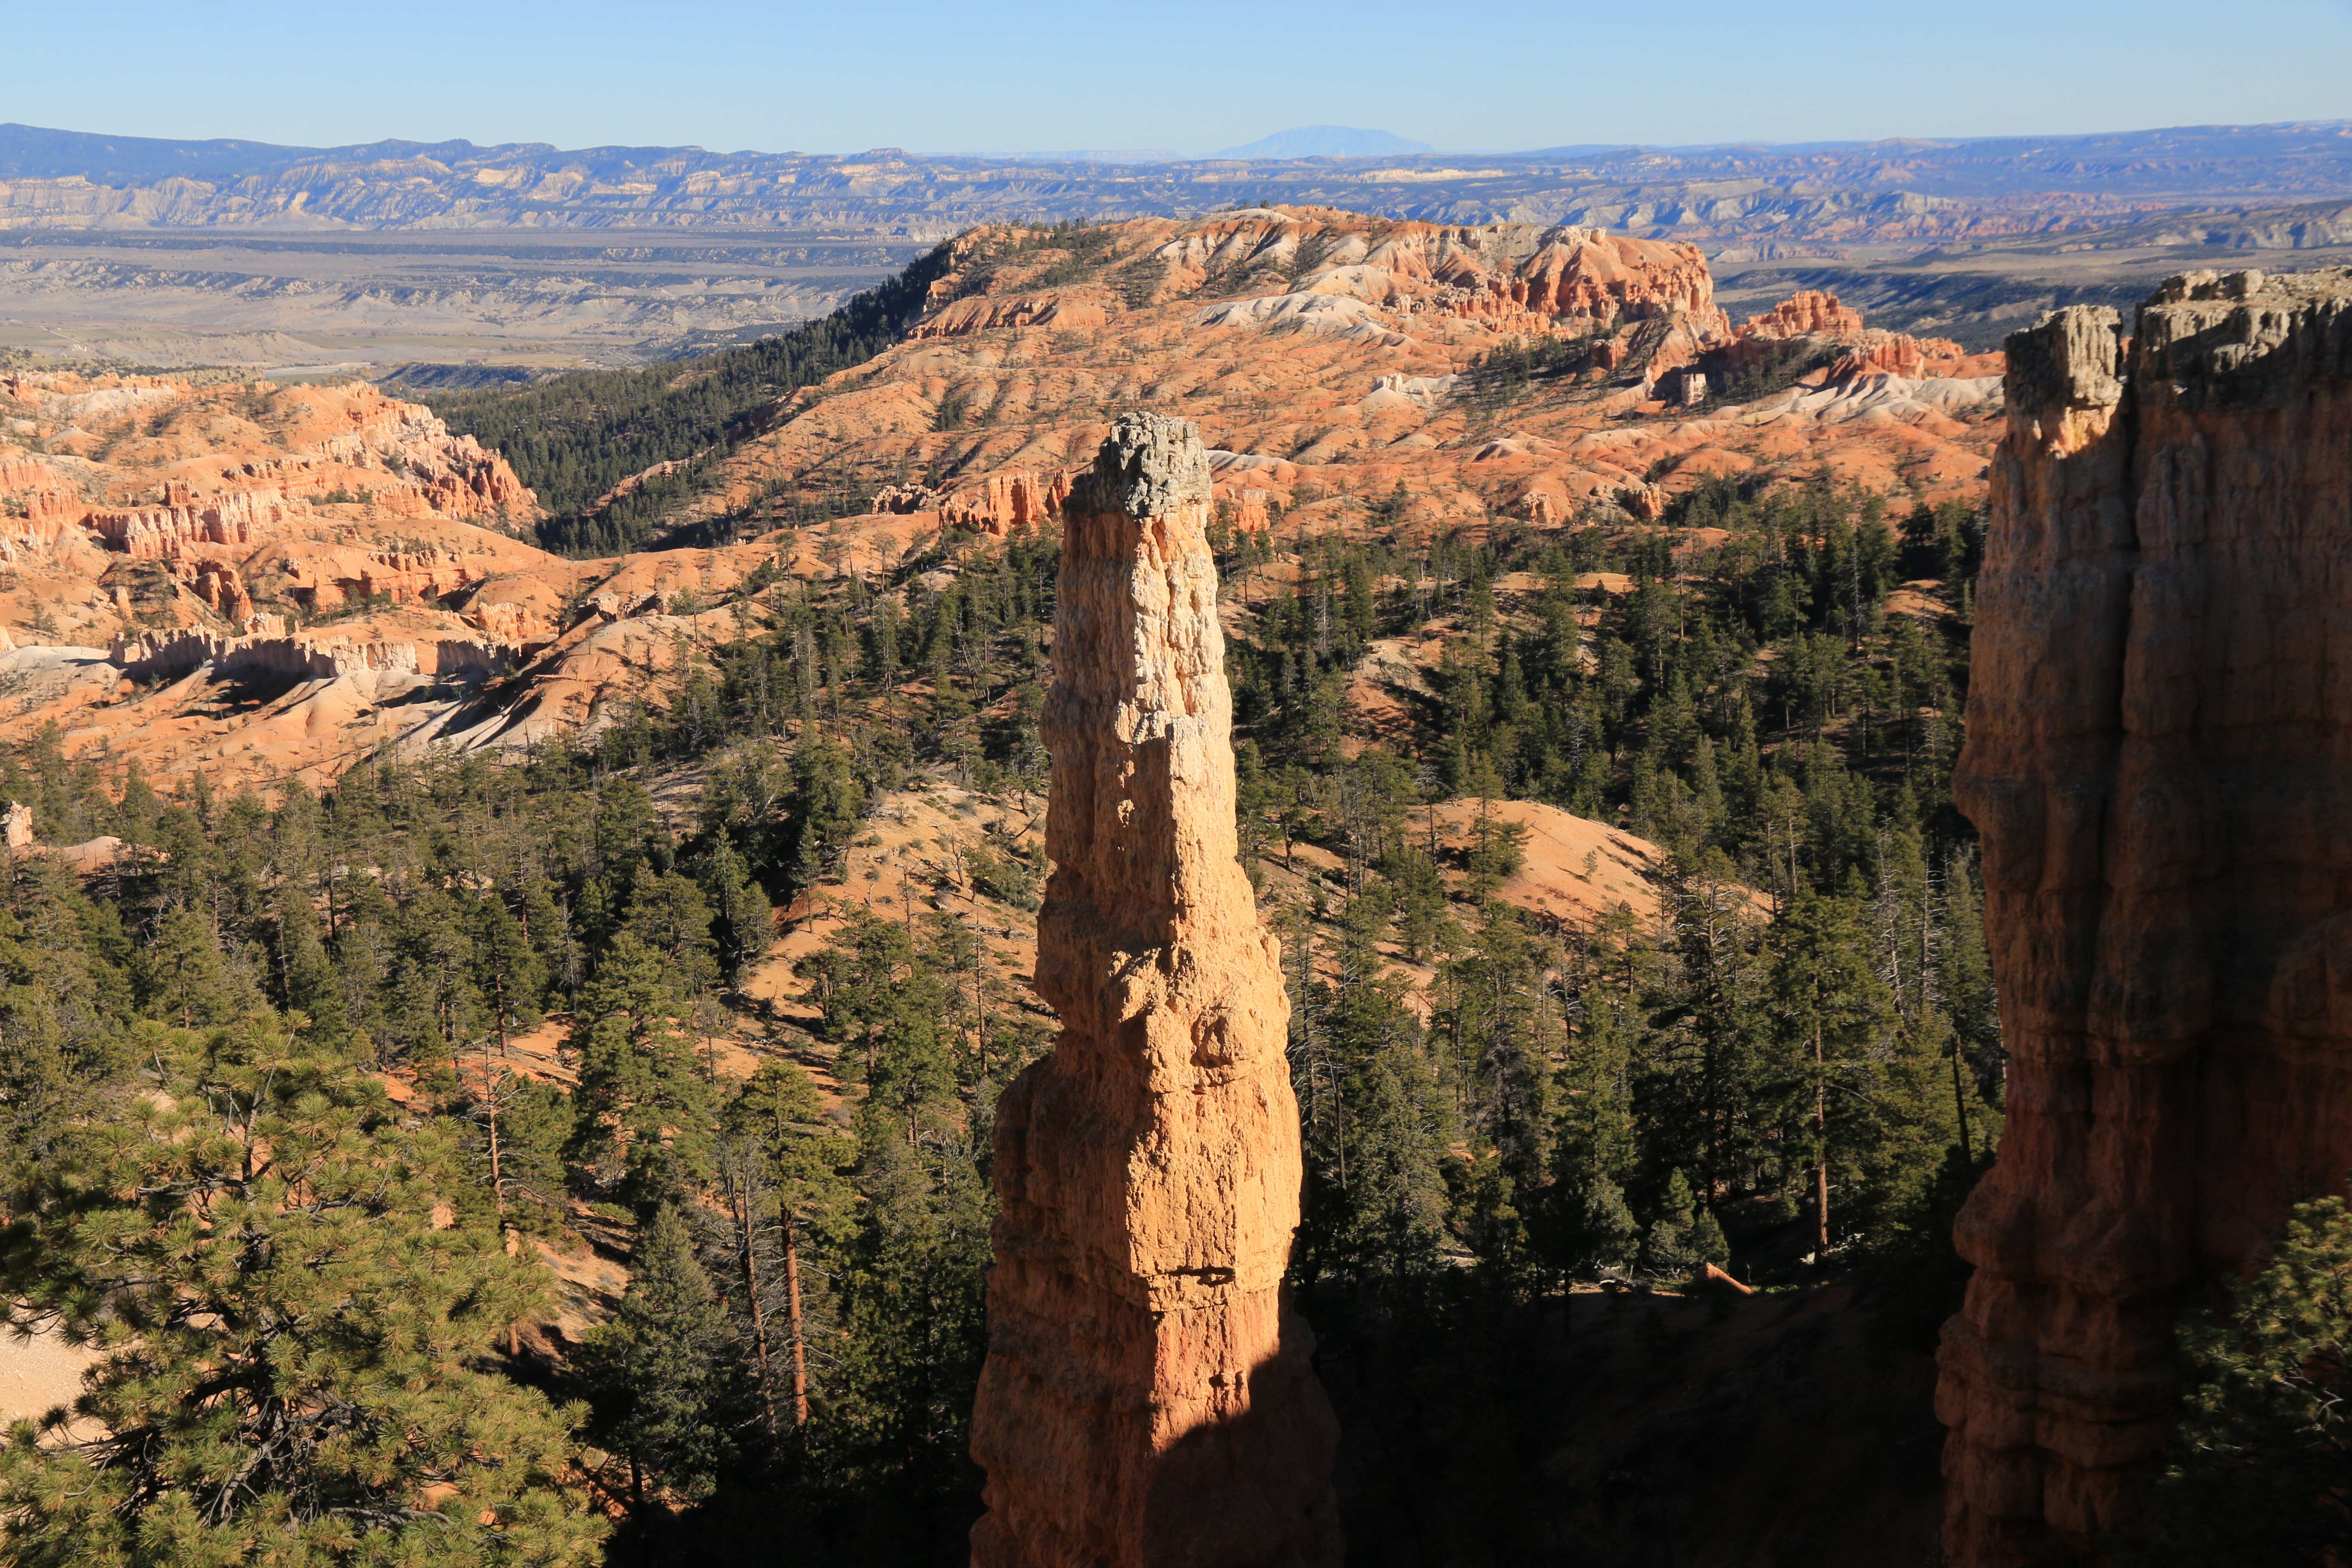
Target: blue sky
934,75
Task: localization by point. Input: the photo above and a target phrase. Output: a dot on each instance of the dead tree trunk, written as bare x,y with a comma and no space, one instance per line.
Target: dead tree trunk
792,1306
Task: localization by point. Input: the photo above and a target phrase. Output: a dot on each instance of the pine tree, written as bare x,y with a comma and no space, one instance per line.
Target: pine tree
909,1284
1669,1250
1378,1127
1607,1235
184,978
828,802
306,980
1833,1016
293,1299
438,1010
662,1372
745,920
911,1078
508,973
778,1118
669,915
645,1109
62,1005
2262,1465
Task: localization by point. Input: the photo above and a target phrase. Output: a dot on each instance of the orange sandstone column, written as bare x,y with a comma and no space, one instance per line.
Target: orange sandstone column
1148,1398
2159,760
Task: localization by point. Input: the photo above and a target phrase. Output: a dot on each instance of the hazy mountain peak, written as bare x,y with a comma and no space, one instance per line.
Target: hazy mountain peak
1327,141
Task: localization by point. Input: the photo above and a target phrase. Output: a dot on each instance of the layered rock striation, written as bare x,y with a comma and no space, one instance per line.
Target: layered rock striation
267,652
1147,1397
2159,733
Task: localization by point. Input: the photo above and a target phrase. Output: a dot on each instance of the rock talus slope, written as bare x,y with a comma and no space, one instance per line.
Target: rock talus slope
2159,730
1147,1397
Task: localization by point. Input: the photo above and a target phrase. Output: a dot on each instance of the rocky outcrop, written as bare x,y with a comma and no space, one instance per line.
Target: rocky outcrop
1585,278
1637,499
49,529
330,578
324,445
1148,1398
993,504
411,462
1421,392
219,586
1811,338
905,500
999,503
1806,313
1912,359
267,652
1509,276
458,477
2158,732
156,533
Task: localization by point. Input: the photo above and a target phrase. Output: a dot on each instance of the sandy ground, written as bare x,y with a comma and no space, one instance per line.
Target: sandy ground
38,1374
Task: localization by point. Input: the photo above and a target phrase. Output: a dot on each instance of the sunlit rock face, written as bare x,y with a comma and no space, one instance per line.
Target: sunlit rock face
1147,1397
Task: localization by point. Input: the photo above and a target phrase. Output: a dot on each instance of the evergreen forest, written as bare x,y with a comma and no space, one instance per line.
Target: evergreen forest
279,1151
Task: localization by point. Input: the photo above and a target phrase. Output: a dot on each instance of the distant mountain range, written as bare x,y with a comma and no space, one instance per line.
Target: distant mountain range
1914,194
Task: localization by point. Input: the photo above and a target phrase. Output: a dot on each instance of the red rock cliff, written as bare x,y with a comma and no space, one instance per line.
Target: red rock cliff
2159,733
1148,1398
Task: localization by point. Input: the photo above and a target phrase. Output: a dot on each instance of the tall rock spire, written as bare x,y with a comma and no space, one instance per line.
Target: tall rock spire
1148,1399
2159,741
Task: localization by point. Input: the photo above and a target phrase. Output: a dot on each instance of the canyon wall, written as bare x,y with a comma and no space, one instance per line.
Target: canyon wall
2159,745
1147,1397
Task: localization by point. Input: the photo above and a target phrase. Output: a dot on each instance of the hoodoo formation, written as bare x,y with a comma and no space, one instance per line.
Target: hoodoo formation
1147,1397
2159,728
